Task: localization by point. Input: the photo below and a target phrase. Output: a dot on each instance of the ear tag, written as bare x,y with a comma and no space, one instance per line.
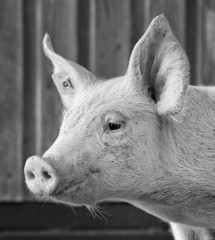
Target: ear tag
63,83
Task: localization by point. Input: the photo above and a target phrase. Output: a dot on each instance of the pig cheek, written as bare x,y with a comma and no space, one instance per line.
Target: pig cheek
89,165
120,169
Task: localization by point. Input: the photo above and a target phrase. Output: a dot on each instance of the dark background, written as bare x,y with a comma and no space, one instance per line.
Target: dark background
99,34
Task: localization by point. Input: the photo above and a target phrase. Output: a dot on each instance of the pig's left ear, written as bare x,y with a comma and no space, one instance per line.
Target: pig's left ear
68,76
160,68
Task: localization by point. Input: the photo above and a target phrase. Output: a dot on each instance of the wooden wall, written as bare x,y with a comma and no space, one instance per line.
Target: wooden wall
11,100
99,34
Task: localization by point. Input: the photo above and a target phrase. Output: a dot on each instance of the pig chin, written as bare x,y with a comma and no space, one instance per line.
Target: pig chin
80,194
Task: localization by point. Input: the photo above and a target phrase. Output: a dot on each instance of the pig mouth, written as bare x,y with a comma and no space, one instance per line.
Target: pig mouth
76,193
73,194
64,195
69,188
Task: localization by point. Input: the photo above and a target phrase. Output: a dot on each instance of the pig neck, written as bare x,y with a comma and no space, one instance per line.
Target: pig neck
186,176
186,142
191,135
189,141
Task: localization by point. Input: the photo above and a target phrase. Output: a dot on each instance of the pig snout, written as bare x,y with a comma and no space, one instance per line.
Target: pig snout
41,178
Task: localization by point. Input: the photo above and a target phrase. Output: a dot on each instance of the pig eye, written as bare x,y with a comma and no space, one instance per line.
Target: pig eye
66,83
114,126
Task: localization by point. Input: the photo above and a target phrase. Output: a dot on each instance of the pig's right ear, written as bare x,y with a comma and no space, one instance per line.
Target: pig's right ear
68,76
159,67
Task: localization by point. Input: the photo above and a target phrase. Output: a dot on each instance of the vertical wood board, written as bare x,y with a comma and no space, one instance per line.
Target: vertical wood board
11,100
208,42
109,37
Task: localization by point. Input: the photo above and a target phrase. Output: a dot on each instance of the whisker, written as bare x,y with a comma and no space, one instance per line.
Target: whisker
91,212
102,212
102,215
102,209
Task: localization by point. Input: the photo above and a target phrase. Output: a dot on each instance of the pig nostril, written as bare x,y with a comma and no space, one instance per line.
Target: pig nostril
30,175
46,175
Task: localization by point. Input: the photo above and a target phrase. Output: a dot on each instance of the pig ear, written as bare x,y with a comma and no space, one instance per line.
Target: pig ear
159,66
68,76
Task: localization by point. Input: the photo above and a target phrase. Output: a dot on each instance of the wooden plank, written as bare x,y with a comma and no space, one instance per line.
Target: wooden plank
192,38
32,77
138,25
33,216
207,42
11,100
82,235
200,41
198,44
109,37
83,33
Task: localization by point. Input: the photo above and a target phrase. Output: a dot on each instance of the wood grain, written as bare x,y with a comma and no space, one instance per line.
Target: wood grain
200,41
11,100
192,38
138,25
83,33
208,43
32,77
109,37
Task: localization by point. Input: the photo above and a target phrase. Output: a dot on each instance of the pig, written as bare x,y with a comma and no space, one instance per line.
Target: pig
146,138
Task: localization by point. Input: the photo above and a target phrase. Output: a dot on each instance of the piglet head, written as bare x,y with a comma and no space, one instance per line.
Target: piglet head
108,147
